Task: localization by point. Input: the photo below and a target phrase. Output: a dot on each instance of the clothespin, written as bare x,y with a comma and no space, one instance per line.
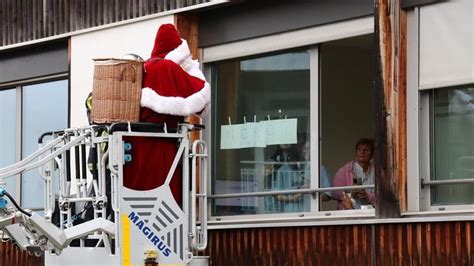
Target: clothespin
230,123
245,120
279,112
268,116
255,119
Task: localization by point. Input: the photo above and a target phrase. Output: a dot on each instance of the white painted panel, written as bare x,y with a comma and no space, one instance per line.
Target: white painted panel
137,38
298,38
75,256
413,107
447,44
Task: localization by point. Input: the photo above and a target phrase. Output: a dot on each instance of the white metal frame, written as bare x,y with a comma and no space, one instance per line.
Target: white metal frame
413,105
195,238
425,161
314,113
310,37
19,110
37,232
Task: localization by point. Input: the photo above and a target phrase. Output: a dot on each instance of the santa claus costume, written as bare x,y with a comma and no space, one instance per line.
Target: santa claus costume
174,87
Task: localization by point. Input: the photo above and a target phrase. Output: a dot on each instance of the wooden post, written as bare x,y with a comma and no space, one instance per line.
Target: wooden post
402,111
187,26
390,101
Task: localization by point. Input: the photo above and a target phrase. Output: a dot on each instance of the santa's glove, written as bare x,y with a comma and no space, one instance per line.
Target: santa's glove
204,111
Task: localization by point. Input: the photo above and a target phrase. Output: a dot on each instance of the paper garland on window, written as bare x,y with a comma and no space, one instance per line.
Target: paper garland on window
259,134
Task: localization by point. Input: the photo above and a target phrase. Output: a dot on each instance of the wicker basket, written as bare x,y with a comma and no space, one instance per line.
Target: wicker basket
116,90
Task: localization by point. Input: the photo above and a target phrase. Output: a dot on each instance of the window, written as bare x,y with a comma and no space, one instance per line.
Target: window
265,91
311,105
439,108
43,107
451,147
8,134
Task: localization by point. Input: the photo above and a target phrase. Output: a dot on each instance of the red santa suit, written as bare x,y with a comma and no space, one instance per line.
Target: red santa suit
174,87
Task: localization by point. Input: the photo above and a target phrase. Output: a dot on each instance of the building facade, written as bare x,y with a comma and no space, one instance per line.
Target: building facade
295,86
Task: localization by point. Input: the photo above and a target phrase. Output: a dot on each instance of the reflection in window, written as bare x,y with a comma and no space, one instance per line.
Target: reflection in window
44,109
8,134
271,94
452,145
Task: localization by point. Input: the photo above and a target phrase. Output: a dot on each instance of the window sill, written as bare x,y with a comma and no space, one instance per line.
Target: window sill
343,219
438,213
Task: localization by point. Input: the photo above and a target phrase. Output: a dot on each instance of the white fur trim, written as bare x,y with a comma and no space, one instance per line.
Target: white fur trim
181,55
176,105
193,70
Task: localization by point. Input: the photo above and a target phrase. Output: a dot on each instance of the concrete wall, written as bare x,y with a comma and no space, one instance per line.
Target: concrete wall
137,38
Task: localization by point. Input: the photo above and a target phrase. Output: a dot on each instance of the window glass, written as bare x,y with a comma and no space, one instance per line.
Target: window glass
8,135
452,145
44,108
272,94
347,118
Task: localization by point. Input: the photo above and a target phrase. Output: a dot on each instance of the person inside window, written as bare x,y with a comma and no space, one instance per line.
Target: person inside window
359,171
323,172
283,153
298,176
283,160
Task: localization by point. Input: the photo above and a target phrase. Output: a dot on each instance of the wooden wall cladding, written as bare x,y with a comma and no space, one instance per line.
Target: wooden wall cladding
26,20
443,243
10,254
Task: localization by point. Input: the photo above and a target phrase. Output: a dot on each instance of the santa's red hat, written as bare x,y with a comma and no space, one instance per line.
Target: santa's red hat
167,39
192,95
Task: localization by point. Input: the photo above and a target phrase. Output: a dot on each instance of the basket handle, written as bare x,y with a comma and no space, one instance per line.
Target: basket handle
123,71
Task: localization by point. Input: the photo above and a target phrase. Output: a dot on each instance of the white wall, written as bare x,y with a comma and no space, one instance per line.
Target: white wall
134,38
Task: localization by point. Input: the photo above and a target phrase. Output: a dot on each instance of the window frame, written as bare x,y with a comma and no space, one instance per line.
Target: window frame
310,38
426,133
18,87
419,125
18,114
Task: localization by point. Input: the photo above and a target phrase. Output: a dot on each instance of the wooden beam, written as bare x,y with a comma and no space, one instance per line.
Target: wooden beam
390,100
402,111
187,26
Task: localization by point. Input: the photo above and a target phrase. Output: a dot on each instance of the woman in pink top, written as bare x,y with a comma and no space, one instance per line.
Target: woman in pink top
360,169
